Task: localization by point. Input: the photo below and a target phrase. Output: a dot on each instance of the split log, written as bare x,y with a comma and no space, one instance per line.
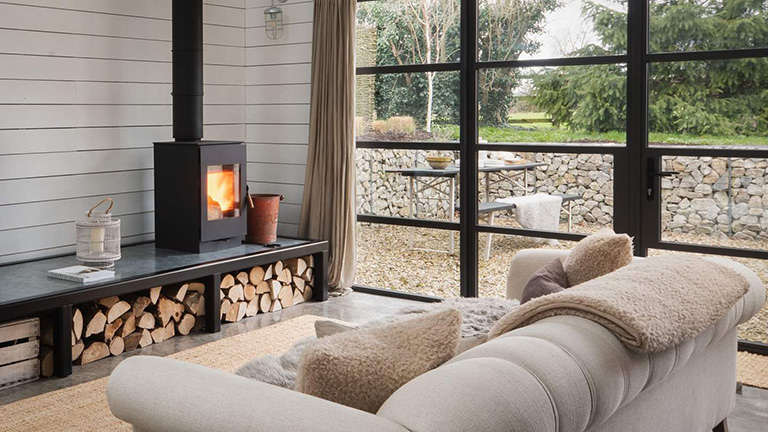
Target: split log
73,338
77,323
285,276
286,296
299,283
192,302
108,302
298,297
139,339
46,361
94,320
235,293
274,288
277,268
268,272
226,305
139,304
308,294
129,324
154,294
310,259
131,341
227,281
147,321
249,292
168,310
92,352
77,350
236,313
297,266
158,334
265,303
242,277
196,287
263,287
276,306
185,325
110,330
117,310
256,275
117,346
175,293
170,330
307,276
253,307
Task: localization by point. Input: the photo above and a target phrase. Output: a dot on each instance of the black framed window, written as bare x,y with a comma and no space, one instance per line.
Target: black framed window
597,97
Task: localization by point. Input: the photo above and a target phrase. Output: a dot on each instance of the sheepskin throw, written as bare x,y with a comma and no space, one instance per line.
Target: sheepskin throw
478,315
362,368
650,305
596,255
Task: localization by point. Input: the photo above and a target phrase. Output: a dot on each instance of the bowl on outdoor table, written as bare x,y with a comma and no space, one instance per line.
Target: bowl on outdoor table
438,162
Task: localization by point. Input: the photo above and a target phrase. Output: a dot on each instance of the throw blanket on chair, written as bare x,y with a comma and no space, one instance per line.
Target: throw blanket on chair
538,211
650,306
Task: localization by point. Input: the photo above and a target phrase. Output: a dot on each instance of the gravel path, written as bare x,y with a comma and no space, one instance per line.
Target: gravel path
384,260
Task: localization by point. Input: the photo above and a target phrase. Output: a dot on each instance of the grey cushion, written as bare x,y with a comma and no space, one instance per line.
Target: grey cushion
547,280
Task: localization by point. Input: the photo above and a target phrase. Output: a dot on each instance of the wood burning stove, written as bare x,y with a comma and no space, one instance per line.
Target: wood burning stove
200,188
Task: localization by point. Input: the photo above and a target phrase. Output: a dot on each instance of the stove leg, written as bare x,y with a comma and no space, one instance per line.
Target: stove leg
62,341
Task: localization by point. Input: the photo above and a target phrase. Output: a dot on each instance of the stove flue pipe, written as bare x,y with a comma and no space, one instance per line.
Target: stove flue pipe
187,70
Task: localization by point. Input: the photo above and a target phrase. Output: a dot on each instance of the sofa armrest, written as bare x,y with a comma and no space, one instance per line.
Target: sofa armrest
159,394
524,264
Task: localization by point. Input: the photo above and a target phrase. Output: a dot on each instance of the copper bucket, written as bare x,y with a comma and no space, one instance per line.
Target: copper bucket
262,218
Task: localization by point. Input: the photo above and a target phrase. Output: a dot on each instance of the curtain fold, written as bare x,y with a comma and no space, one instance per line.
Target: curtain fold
328,207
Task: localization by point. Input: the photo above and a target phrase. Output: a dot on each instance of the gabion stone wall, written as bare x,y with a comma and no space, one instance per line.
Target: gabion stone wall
722,197
718,197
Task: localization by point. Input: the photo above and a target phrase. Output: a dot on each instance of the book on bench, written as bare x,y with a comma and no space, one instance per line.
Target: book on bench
82,274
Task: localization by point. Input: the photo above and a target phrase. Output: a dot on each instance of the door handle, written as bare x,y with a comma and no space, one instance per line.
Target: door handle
653,174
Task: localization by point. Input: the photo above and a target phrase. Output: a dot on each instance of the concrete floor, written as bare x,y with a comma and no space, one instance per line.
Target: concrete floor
750,415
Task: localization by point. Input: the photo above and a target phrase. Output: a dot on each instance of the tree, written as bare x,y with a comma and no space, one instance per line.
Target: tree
716,97
428,32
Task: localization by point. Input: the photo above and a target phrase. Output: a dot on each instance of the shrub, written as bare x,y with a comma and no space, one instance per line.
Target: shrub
379,126
401,124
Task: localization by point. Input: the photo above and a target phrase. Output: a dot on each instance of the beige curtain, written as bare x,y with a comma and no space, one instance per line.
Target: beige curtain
328,210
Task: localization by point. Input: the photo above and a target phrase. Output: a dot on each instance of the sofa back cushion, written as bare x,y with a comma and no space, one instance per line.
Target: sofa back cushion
362,368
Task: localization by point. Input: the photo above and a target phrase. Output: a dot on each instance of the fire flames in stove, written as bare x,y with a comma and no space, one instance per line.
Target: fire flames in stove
223,191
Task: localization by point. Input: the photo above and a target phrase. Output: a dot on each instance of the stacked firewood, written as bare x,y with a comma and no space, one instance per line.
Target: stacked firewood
113,325
266,288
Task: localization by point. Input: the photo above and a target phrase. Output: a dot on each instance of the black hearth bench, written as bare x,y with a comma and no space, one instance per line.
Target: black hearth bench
25,288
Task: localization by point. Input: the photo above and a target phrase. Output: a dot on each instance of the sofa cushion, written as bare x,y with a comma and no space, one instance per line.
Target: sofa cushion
362,368
596,255
547,280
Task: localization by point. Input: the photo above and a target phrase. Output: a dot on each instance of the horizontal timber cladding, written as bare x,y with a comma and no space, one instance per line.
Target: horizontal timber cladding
84,92
277,95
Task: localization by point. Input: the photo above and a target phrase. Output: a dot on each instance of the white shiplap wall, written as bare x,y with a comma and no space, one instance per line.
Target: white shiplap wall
85,90
277,104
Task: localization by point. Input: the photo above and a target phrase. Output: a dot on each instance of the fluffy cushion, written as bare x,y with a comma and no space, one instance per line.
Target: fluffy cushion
596,255
362,368
547,280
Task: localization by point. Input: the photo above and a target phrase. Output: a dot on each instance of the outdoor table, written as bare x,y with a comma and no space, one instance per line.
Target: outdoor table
437,177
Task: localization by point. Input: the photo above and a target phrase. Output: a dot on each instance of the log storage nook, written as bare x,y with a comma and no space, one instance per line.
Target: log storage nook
158,294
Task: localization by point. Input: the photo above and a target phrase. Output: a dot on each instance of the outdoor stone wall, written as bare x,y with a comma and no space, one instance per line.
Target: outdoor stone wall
718,197
722,197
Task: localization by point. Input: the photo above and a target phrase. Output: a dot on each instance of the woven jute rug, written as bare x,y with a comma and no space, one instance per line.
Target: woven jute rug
752,369
84,407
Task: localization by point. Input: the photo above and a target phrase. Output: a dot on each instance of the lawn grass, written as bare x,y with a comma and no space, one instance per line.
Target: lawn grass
545,133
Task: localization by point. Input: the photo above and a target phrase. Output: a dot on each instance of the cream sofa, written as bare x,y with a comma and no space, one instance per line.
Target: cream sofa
560,374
